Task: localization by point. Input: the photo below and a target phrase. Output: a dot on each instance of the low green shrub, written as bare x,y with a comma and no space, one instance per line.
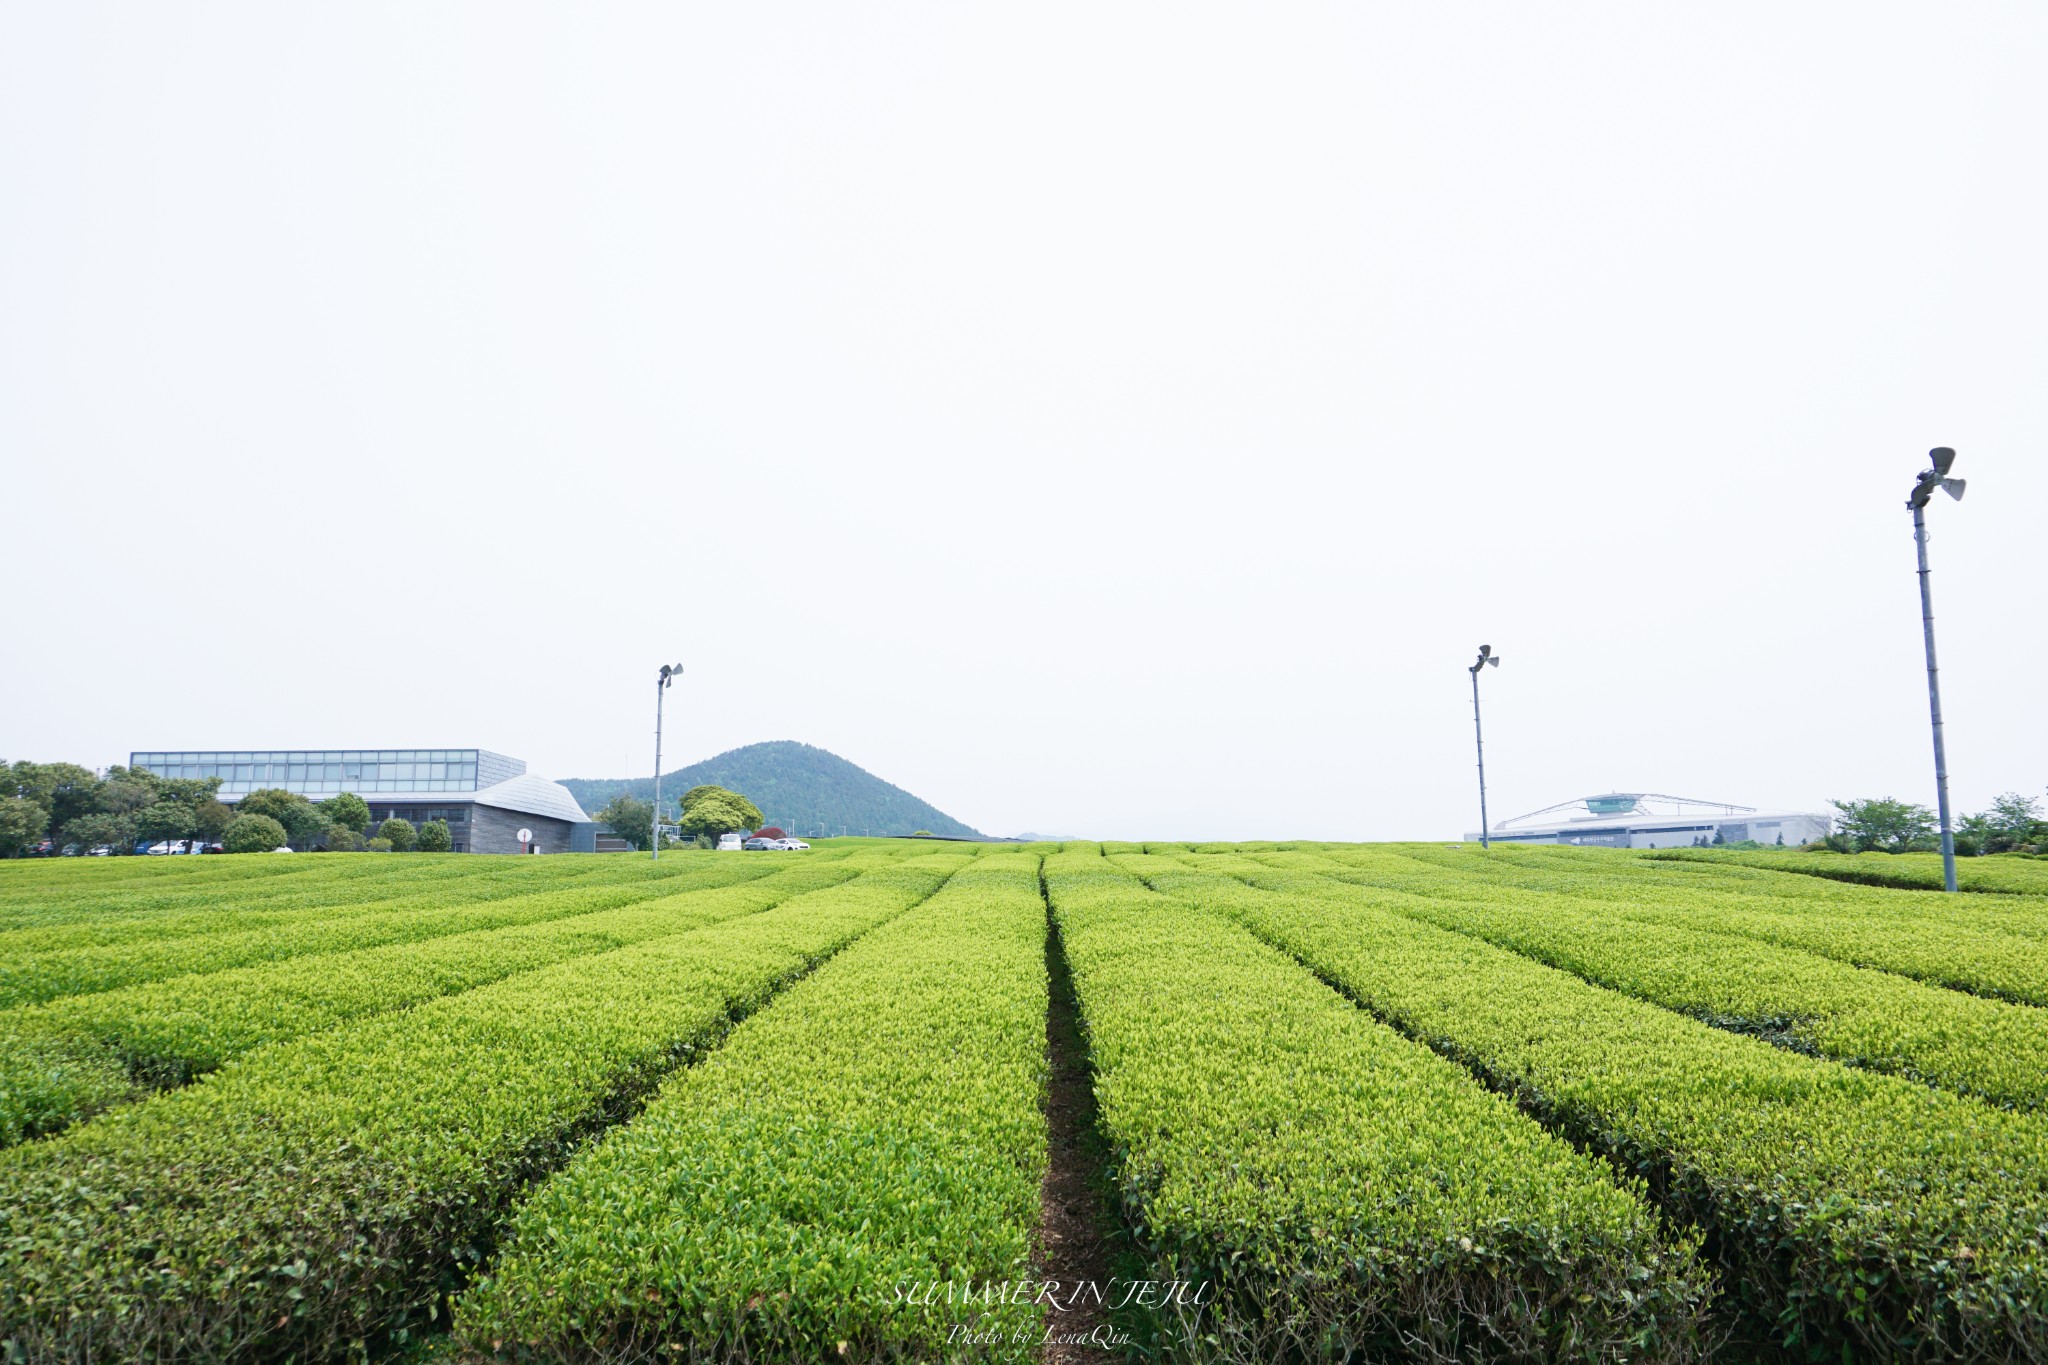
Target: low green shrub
399,834
252,834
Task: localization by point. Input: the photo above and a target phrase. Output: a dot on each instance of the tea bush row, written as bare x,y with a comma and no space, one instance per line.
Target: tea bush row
322,1197
874,1132
1855,1215
1968,948
34,977
1795,998
1340,1187
63,1061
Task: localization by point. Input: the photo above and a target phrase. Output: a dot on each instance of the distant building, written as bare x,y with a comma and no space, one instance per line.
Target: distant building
1650,820
486,798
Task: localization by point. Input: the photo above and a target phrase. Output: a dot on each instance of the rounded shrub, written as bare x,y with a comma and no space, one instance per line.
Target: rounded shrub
434,837
400,833
252,834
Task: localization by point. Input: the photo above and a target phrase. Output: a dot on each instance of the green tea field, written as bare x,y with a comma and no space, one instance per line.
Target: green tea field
919,1100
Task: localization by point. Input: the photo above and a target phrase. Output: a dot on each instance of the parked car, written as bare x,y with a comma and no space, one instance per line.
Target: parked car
790,845
101,851
758,845
730,843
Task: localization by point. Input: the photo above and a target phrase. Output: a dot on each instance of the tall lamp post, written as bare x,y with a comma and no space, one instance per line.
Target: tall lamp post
1930,479
669,673
1486,656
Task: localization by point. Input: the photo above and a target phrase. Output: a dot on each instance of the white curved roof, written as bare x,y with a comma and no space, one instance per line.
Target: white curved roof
530,795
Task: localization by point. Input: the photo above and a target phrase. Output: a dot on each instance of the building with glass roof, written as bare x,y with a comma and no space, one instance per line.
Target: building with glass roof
1653,820
485,797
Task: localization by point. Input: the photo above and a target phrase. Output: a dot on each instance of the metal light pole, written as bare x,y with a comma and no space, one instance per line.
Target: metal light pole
1486,656
669,673
1937,477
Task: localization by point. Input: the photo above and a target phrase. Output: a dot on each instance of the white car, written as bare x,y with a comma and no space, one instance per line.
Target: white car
789,845
730,843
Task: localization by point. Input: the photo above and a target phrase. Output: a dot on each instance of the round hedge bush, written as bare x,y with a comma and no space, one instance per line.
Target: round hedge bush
252,834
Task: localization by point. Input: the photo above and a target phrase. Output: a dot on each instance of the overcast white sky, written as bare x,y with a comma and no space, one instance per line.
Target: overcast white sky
1118,420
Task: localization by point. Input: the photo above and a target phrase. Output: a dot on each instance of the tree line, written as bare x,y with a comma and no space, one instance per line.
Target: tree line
2013,824
706,812
51,807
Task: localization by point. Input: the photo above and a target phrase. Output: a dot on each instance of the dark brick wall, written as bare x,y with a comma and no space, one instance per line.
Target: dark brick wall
497,831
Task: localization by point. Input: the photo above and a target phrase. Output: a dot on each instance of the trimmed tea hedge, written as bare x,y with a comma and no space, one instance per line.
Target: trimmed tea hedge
37,977
1958,943
64,1061
1855,1215
1340,1187
872,1133
1788,996
321,1196
2011,873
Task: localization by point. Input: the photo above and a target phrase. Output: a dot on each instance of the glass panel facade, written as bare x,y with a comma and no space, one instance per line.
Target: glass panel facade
318,773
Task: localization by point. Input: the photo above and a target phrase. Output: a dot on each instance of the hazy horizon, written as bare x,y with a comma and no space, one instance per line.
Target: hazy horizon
1124,422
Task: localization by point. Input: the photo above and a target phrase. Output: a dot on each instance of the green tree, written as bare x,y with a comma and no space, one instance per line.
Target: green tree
347,809
211,819
377,845
22,823
718,812
270,801
630,819
117,832
2012,821
186,791
304,825
434,837
65,791
721,810
252,834
125,792
165,820
400,834
1884,824
342,839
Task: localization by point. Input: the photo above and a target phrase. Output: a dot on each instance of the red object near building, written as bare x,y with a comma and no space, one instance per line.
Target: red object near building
770,833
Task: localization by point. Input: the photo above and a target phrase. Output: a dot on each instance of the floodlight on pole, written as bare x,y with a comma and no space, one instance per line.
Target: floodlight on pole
1486,656
669,673
1943,459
